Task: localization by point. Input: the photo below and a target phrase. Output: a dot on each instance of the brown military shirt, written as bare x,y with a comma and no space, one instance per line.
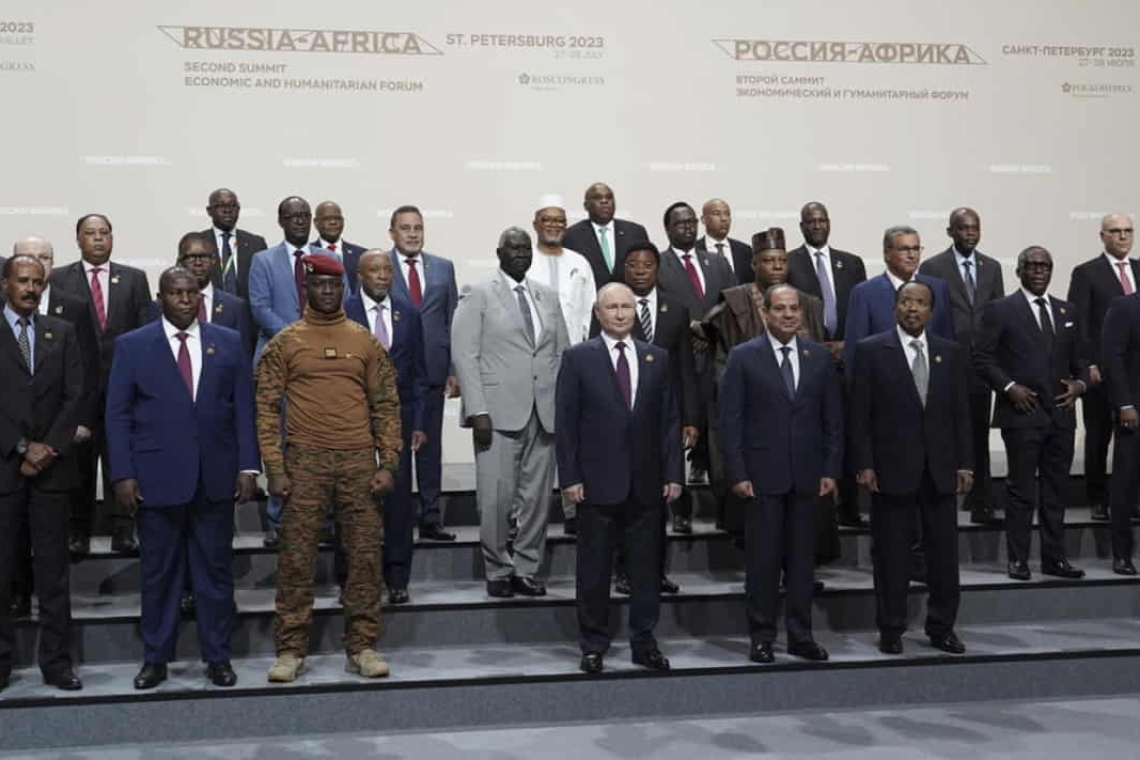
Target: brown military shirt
341,389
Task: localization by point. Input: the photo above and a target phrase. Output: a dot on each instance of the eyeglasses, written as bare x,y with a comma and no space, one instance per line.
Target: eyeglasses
1119,231
1044,266
908,249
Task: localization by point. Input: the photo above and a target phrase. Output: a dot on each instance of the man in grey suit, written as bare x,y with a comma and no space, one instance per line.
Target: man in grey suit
507,340
974,280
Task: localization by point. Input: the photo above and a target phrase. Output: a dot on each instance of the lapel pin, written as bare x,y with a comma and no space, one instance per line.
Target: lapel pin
47,336
649,357
59,309
664,308
937,358
115,280
704,261
218,308
1061,309
395,316
839,265
210,350
805,352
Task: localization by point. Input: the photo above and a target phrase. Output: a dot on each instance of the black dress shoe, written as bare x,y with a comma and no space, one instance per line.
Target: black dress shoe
1099,512
652,659
1123,567
397,596
188,603
272,539
948,642
1061,569
150,675
591,663
570,527
621,585
817,586
500,588
985,515
63,679
668,586
221,673
123,540
527,586
79,543
889,644
21,606
808,650
1019,570
762,653
682,525
435,532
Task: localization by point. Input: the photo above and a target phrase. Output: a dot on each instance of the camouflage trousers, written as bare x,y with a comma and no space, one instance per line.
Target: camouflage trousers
320,477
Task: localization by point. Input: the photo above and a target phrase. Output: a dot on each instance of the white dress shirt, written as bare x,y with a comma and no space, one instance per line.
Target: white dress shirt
193,345
710,245
630,359
651,298
1116,269
45,299
1032,299
407,270
576,291
534,317
896,281
324,244
207,296
826,251
975,263
696,263
793,355
383,308
905,338
104,283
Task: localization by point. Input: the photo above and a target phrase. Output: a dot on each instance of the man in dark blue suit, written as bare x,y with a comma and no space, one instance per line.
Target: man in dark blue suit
396,324
871,309
1030,352
428,282
619,457
909,426
182,446
781,427
1120,361
329,221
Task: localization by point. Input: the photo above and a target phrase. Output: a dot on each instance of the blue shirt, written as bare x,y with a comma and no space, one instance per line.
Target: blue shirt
14,322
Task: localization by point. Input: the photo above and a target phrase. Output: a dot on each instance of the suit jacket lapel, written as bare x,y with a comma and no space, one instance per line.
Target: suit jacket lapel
10,346
510,302
1030,319
169,364
895,348
603,354
644,366
771,361
44,344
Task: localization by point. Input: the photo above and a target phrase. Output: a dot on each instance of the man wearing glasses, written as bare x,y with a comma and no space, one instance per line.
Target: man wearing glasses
234,249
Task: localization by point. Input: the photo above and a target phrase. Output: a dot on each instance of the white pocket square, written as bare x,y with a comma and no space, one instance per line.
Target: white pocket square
1068,324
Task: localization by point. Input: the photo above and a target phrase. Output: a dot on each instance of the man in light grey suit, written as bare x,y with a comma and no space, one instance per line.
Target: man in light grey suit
507,339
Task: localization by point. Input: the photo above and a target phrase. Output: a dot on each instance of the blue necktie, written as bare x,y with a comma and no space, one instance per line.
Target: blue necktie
786,371
830,313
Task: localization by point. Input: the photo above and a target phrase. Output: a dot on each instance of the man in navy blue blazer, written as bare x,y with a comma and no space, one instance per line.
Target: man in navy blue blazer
618,444
428,282
182,446
1120,362
1030,352
328,219
396,324
781,428
909,428
871,309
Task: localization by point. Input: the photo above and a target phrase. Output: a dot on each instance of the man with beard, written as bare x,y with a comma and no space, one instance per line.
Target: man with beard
601,238
716,216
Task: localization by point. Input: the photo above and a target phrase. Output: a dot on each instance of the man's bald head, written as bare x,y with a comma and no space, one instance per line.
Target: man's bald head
375,274
38,248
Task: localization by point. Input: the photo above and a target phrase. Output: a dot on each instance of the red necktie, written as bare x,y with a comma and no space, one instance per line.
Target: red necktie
184,364
414,289
624,382
1124,281
97,298
202,308
693,276
332,247
299,279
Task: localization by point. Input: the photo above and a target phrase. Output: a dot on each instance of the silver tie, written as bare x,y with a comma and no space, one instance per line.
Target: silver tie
920,370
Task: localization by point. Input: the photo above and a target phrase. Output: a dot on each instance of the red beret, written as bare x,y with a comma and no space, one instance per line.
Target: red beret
318,263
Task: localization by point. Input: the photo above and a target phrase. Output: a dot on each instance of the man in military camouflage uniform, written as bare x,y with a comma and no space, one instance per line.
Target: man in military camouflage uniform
343,413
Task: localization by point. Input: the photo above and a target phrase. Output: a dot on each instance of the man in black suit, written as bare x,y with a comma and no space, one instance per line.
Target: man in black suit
601,238
1120,352
235,249
1029,350
61,305
662,323
215,306
1094,285
119,298
781,427
694,280
618,458
328,219
39,414
830,275
910,428
716,216
974,280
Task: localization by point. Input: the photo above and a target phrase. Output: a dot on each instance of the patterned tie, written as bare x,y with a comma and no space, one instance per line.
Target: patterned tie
414,288
528,319
604,242
25,344
184,367
646,320
97,298
830,312
1125,283
1045,319
920,370
202,308
971,286
624,383
381,330
229,265
693,276
299,279
786,371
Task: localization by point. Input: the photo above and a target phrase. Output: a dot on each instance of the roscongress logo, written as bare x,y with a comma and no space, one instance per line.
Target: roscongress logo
823,51
264,39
